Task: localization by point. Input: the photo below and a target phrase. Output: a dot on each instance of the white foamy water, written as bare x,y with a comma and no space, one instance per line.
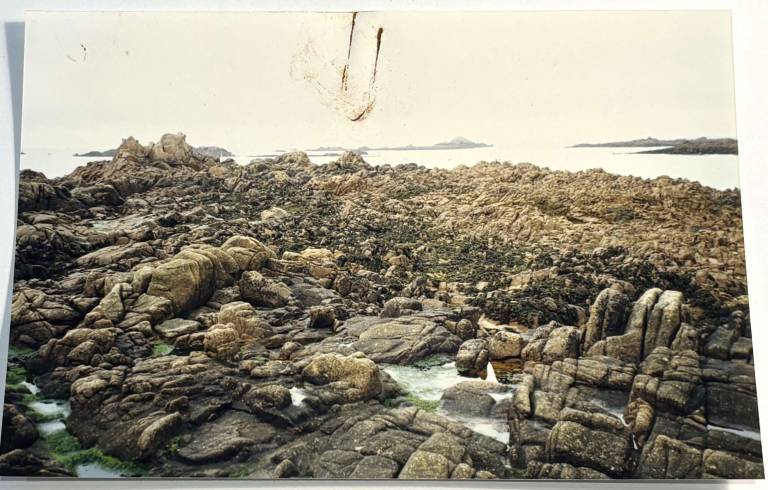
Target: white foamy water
427,384
718,171
32,388
431,383
490,374
494,428
297,395
51,407
747,433
47,428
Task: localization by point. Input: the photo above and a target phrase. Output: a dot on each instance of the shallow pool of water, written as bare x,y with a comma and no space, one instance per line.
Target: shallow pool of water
427,384
431,383
94,470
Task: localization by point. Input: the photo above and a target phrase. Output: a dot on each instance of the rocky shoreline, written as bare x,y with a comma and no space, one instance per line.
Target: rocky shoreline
206,319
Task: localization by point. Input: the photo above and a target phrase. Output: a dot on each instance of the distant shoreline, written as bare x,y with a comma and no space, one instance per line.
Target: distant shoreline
457,143
698,146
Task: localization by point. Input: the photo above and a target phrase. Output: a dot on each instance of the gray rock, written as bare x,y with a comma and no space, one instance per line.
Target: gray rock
400,306
264,292
170,329
472,356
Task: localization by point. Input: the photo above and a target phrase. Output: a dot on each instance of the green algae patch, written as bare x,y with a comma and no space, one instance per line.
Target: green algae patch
15,376
66,449
431,361
426,405
160,348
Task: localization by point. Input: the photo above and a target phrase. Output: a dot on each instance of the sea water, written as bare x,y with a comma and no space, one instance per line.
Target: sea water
717,171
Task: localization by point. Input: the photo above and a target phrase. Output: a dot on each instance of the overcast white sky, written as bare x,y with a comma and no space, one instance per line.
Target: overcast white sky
258,82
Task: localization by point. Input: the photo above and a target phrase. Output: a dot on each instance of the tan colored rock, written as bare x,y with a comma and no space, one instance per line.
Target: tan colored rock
356,378
562,343
187,281
222,342
171,148
505,345
243,318
249,253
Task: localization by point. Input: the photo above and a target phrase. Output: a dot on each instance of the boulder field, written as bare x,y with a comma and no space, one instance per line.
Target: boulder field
202,318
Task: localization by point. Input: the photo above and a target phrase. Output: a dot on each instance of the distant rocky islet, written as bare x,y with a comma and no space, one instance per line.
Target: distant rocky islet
681,146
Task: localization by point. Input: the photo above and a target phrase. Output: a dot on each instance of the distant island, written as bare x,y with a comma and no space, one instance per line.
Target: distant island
97,153
212,151
681,146
203,151
457,143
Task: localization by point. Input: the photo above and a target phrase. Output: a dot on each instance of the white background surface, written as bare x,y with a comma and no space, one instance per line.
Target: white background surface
750,24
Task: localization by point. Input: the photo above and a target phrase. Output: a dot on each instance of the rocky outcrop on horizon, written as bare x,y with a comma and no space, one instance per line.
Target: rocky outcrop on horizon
681,146
215,152
207,319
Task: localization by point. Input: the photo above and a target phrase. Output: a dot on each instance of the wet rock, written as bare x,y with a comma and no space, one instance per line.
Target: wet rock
147,308
263,397
37,193
97,195
116,254
670,381
430,462
77,346
464,329
474,397
742,349
286,469
24,463
19,432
